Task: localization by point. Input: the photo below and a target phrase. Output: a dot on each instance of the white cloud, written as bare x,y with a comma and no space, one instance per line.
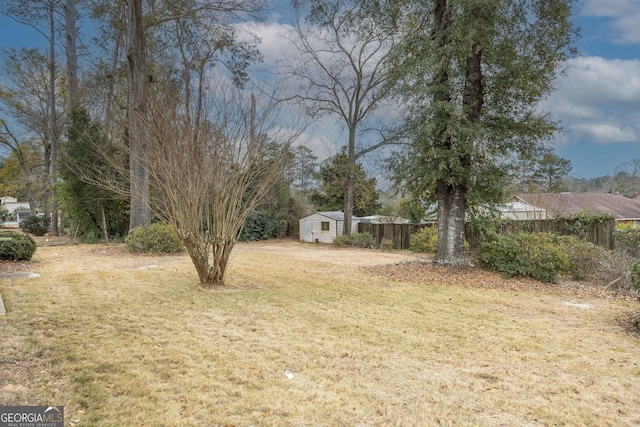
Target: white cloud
598,100
625,15
273,46
597,81
606,133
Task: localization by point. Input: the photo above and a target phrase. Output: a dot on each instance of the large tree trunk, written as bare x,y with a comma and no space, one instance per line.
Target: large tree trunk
70,18
451,212
349,182
452,198
209,274
53,123
138,81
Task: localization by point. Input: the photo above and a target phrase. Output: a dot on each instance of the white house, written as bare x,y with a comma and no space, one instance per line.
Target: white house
11,203
323,227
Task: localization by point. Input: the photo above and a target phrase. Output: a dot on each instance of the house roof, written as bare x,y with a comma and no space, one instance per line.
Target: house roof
568,204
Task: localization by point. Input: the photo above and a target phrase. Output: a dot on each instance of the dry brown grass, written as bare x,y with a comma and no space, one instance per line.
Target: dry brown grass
130,340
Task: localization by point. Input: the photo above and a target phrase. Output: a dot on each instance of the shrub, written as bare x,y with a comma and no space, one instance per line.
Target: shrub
628,240
425,240
4,215
36,225
538,255
258,226
635,276
342,240
585,220
584,257
20,247
158,237
361,240
386,244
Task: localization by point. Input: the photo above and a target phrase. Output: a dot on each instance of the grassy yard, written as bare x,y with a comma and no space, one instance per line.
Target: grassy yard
123,340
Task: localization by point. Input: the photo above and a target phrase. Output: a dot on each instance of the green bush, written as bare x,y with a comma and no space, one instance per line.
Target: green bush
635,276
425,240
628,240
258,226
585,220
158,237
342,240
4,215
36,225
584,257
361,240
599,266
20,247
538,255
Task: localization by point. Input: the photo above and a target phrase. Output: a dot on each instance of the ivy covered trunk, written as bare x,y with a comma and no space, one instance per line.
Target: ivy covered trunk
451,193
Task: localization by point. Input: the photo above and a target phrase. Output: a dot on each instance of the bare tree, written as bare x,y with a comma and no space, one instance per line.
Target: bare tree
208,173
44,12
71,37
21,152
341,65
209,177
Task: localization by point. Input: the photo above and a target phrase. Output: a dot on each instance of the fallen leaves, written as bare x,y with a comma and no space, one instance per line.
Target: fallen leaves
425,272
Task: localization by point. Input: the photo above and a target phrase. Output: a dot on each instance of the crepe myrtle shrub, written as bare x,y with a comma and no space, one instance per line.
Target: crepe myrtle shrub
157,237
36,225
20,247
537,255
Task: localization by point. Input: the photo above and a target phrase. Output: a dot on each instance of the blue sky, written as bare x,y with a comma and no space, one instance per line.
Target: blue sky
597,102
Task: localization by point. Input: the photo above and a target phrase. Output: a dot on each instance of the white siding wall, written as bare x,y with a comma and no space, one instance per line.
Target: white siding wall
316,230
317,234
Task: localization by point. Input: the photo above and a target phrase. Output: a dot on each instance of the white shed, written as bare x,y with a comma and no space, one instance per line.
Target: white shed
323,227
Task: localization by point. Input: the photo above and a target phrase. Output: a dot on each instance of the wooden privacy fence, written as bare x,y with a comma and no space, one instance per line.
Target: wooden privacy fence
601,234
399,234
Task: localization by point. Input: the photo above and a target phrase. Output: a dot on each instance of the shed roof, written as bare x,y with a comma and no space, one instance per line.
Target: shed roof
335,215
569,204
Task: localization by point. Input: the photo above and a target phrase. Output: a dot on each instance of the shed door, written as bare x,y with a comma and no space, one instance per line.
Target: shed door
308,230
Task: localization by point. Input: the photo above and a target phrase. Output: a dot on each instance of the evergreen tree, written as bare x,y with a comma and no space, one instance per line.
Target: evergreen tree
473,75
550,173
330,195
91,209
